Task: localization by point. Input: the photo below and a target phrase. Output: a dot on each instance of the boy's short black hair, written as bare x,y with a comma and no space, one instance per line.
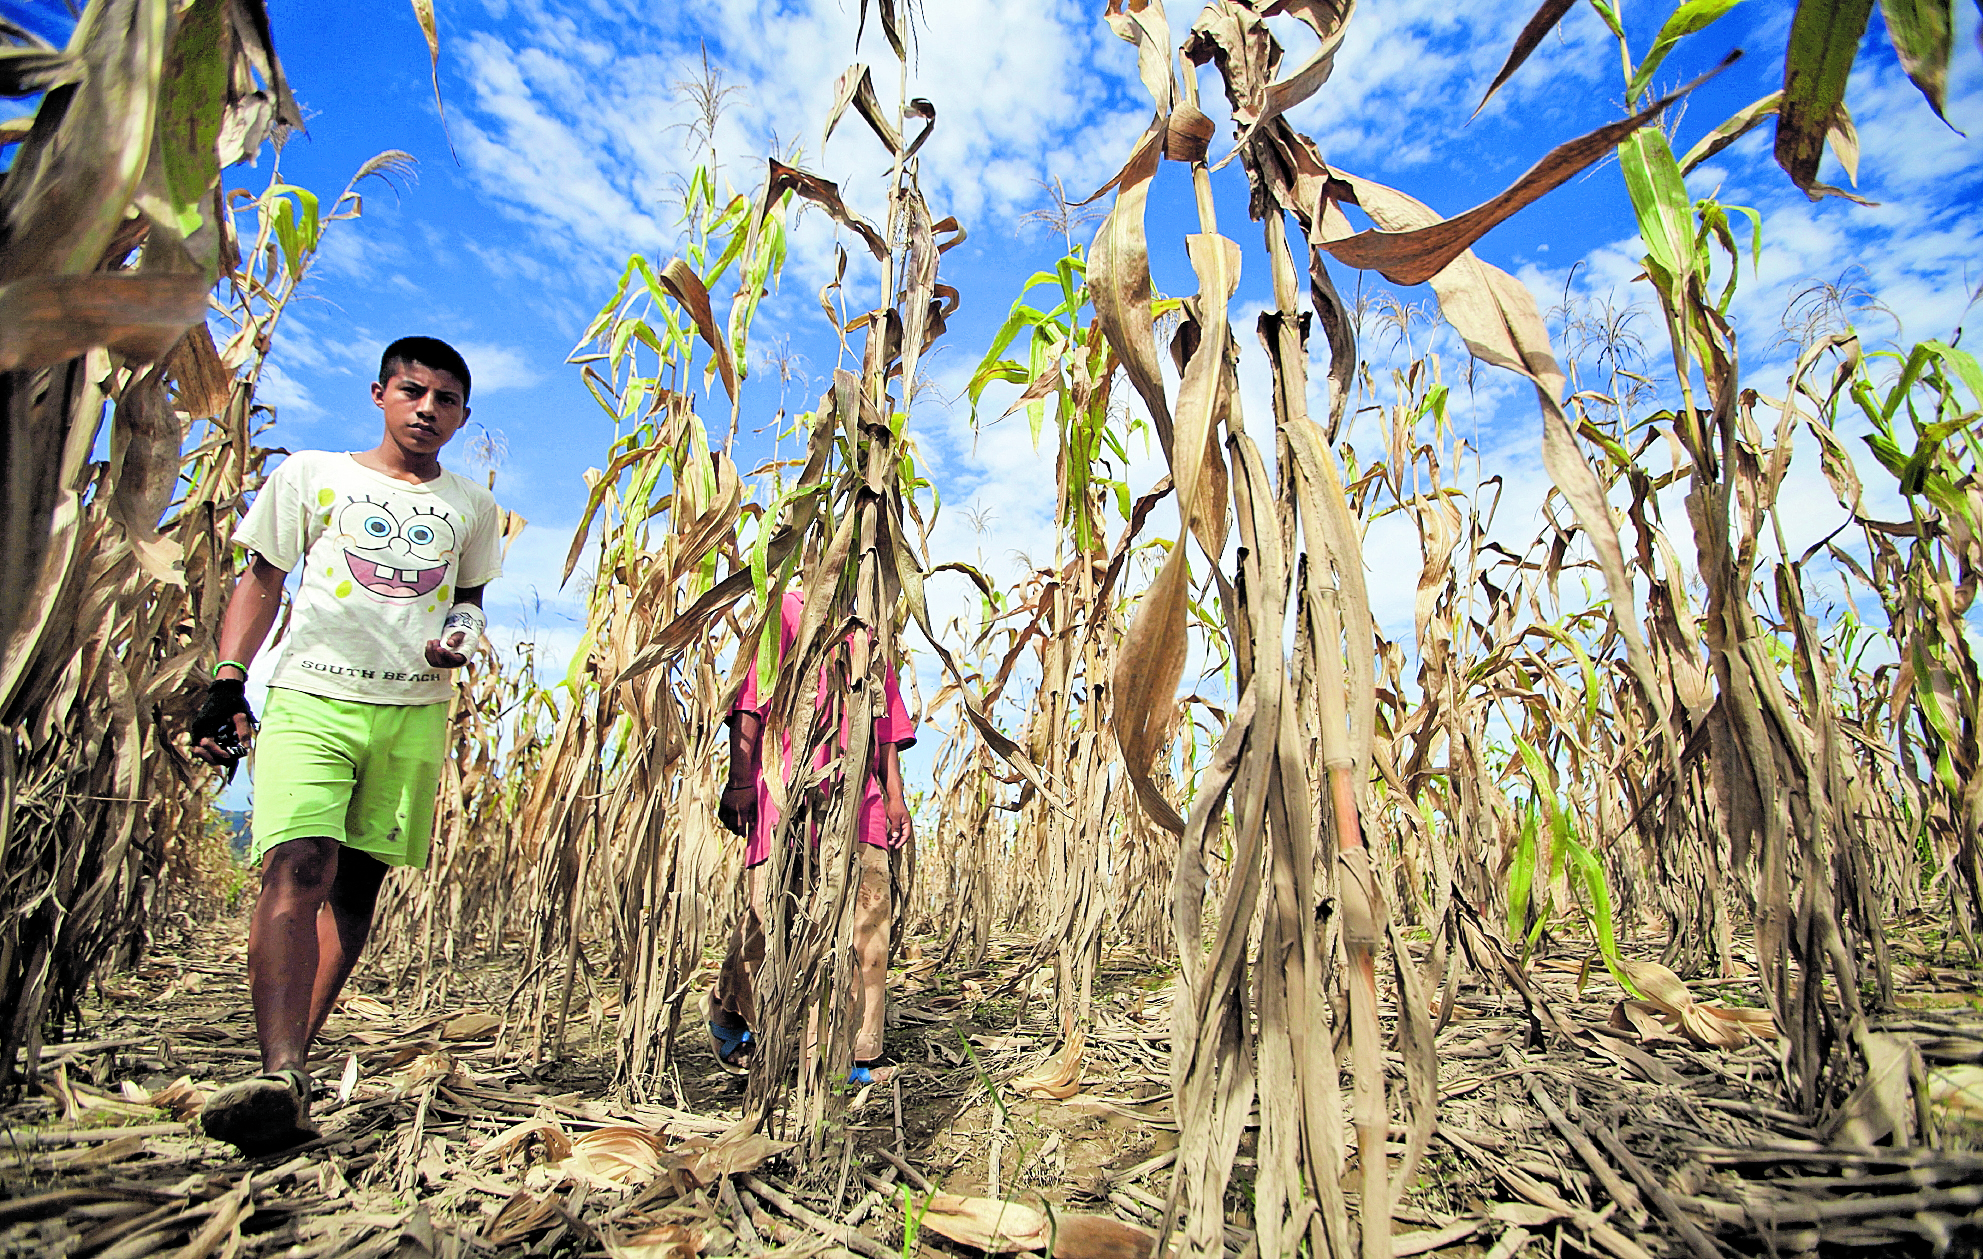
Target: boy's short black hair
429,352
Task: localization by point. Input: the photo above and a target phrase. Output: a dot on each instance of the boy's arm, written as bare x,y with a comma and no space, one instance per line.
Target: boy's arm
244,627
746,730
459,632
901,827
739,801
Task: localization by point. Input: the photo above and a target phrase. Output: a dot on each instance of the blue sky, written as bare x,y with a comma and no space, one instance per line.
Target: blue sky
568,122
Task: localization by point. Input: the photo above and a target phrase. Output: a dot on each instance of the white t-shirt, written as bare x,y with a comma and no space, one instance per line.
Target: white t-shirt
382,561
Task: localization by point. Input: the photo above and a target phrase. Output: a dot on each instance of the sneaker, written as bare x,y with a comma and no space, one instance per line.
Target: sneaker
262,1115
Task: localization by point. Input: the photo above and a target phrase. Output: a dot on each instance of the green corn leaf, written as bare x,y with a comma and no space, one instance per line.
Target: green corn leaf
1824,41
1609,12
283,215
1540,775
1521,875
311,227
612,307
1921,32
1587,871
1556,856
192,103
1962,363
1585,665
1690,18
1659,201
575,671
993,364
733,248
1918,361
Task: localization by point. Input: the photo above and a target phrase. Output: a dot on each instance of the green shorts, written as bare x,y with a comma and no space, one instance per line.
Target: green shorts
361,774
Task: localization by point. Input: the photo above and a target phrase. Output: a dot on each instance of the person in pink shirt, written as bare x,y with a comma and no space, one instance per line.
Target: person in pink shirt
748,809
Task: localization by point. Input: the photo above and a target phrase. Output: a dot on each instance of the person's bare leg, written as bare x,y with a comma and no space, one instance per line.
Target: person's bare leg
872,906
343,926
733,1006
283,949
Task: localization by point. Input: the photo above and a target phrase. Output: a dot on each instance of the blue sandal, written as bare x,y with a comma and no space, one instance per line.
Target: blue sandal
865,1074
727,1040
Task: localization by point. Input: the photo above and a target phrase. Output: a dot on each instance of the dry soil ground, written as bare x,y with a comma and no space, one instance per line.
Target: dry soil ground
1557,1133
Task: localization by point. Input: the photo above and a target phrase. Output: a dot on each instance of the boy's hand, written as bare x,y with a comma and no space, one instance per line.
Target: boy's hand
901,826
738,808
463,628
225,726
441,657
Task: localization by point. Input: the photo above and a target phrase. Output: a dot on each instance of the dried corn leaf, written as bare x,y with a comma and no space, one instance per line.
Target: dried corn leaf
824,193
201,387
434,1068
182,1098
987,1223
996,1227
525,1213
741,1149
368,1008
473,1025
685,286
1329,19
1119,279
514,1144
1883,1104
1542,22
1099,1237
1714,1026
856,87
1644,1020
47,319
1151,662
115,1150
1415,256
1824,41
82,1104
1739,124
1143,24
665,1241
1059,1076
621,1155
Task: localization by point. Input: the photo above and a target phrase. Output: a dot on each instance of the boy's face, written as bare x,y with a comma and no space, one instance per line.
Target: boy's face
423,406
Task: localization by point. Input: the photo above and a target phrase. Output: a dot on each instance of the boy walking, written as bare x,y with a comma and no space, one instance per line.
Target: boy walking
747,809
395,552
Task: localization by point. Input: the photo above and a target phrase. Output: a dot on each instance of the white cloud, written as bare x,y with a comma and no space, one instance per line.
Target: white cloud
591,143
529,597
357,251
290,398
498,367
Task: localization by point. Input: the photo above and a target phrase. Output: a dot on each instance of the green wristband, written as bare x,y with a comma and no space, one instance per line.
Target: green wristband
236,664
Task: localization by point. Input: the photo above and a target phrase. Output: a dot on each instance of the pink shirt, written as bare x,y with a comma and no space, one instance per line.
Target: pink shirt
894,726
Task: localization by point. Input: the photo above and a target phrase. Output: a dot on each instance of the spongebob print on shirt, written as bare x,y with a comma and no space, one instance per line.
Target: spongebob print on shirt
401,561
381,562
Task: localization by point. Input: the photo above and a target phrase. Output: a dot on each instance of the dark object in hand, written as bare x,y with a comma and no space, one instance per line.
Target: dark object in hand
737,809
230,744
214,723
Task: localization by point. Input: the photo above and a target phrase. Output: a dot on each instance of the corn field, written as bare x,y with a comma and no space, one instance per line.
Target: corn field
1654,738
